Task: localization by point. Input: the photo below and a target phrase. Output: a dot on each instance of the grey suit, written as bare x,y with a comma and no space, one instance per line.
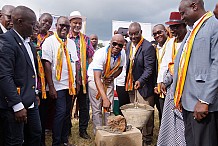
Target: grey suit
201,84
202,74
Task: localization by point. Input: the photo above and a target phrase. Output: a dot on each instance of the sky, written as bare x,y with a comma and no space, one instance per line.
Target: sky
100,13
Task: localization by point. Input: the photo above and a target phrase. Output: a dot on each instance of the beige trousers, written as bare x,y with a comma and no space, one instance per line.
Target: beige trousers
96,105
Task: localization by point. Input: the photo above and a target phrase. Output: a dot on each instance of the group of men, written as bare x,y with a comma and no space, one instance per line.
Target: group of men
51,69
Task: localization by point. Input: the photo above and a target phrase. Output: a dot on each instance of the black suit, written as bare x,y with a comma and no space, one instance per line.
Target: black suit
16,70
144,68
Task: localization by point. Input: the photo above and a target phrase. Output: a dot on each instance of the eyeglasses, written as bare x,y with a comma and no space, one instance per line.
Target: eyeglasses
135,34
157,33
116,44
64,25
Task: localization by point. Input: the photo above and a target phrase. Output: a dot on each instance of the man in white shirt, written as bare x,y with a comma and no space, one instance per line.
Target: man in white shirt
59,56
5,18
101,82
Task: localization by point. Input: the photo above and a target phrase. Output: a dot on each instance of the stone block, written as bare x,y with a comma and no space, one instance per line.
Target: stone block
128,138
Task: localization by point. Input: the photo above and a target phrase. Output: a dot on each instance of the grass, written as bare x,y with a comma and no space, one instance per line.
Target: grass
75,139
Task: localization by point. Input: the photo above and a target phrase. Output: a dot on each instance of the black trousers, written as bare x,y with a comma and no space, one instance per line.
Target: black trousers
83,101
13,133
123,96
159,102
203,133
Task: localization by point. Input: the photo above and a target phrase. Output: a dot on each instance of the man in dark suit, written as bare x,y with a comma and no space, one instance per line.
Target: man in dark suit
143,57
18,105
5,18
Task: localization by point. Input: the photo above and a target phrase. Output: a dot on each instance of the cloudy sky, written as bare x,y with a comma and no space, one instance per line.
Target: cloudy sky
100,13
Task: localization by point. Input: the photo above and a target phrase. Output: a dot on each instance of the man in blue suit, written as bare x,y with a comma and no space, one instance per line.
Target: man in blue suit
18,76
199,97
141,63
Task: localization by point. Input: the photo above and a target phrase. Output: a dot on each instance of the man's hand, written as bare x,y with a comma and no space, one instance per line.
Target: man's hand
21,116
106,103
163,88
52,92
108,80
137,85
156,90
200,111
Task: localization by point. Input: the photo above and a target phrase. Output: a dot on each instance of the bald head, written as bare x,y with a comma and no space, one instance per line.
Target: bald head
24,20
94,40
117,43
135,32
6,16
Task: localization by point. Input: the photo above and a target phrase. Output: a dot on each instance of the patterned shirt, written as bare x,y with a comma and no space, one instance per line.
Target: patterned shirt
89,54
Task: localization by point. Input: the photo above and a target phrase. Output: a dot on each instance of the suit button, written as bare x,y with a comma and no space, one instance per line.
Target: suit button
33,76
33,87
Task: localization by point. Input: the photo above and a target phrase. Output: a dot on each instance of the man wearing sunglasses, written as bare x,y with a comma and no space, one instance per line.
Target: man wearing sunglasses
59,57
107,64
5,18
141,68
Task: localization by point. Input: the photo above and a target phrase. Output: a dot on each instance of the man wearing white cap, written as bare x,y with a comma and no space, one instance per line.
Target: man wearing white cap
85,52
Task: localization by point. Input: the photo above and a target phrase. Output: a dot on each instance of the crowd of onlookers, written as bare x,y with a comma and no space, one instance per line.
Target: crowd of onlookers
44,73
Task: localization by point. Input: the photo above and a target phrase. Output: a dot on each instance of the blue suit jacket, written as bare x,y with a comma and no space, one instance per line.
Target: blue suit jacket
16,70
202,74
144,68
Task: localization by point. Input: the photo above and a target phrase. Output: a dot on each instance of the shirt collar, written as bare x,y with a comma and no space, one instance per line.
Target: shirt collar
26,40
71,35
3,28
195,24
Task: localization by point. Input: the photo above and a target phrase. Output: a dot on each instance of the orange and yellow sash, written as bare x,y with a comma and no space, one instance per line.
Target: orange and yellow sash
174,52
129,80
42,76
83,60
61,51
159,59
41,39
107,71
184,60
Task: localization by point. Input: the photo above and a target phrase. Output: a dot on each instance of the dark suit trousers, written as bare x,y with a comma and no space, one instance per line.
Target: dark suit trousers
203,133
123,96
159,102
83,101
12,133
32,129
62,117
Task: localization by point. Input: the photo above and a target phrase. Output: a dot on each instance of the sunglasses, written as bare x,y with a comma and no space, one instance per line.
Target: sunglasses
176,26
64,25
116,44
157,33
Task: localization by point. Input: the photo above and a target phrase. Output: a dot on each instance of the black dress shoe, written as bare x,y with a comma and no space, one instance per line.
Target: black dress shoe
84,135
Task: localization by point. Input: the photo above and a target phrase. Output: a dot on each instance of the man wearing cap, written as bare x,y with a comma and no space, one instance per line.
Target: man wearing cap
160,36
172,125
140,72
85,52
5,21
195,80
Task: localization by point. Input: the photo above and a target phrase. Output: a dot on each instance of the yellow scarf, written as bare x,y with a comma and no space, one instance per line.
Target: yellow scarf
129,80
83,60
61,51
107,71
174,52
42,76
184,60
159,59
